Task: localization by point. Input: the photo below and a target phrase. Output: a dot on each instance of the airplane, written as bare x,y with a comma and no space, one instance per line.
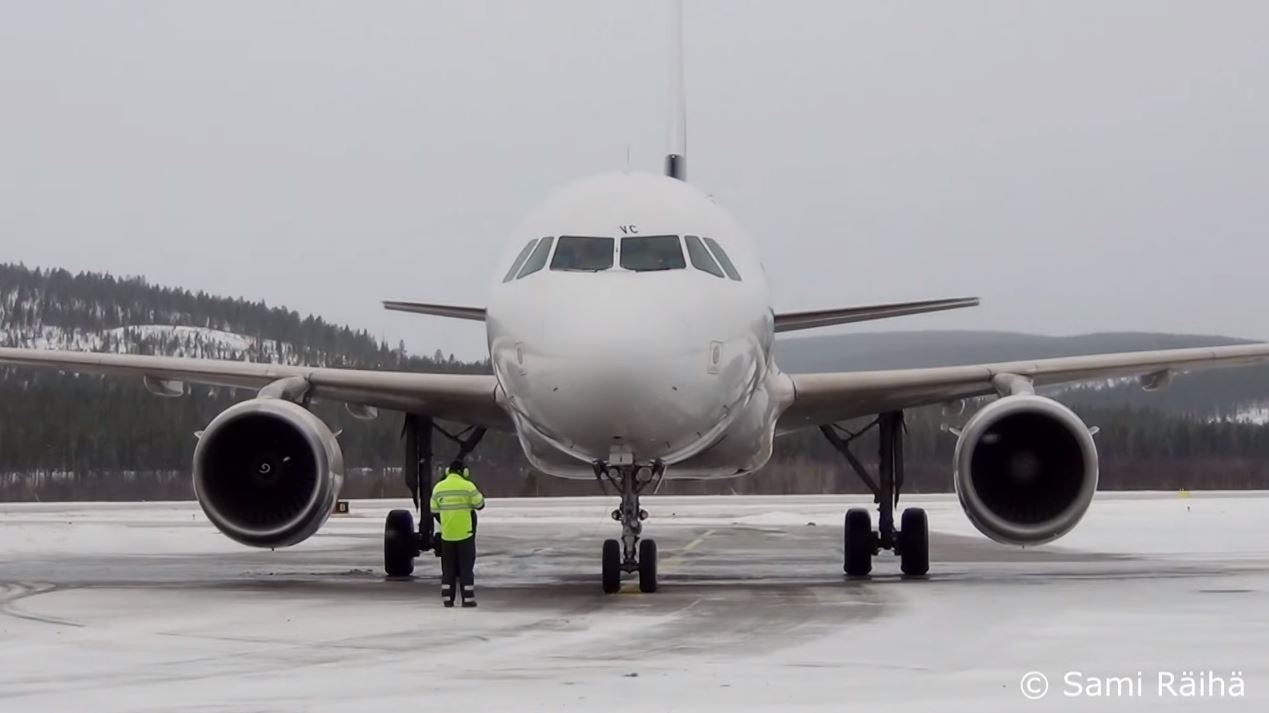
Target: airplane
631,333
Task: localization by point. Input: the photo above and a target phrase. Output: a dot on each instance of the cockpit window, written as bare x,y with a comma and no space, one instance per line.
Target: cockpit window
515,266
579,254
655,252
723,260
700,257
537,260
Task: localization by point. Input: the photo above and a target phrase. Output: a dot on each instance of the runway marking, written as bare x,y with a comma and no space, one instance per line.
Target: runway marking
677,558
696,601
692,545
630,587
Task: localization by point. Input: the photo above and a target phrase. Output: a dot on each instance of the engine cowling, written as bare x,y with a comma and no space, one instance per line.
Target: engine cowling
1025,470
267,472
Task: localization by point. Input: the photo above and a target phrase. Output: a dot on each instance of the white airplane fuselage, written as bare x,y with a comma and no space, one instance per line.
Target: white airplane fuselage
672,366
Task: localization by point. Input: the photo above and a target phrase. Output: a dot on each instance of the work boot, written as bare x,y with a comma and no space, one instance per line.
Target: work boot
449,603
469,603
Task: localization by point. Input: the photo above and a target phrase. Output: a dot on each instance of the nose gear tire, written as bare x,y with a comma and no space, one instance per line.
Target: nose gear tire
611,566
647,566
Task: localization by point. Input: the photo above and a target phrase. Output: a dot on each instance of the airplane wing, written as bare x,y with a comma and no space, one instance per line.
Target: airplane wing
827,398
468,398
790,321
476,314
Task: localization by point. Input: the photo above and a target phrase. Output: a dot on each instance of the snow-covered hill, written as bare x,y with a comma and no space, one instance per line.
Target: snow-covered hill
165,339
1257,414
55,309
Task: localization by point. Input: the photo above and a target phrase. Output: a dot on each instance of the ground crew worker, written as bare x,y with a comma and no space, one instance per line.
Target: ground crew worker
454,502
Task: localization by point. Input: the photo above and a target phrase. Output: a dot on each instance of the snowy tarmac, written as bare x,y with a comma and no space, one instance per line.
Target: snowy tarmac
144,607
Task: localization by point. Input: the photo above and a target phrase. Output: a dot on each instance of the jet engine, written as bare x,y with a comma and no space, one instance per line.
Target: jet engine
267,472
1025,469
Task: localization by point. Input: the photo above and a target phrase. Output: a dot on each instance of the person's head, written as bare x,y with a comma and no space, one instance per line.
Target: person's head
460,468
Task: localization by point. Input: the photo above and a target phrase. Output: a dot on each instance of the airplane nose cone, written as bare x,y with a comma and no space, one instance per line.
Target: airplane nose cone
623,372
632,330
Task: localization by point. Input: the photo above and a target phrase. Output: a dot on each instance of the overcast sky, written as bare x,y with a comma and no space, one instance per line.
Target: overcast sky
1080,165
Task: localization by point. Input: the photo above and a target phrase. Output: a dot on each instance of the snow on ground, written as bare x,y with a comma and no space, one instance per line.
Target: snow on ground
141,607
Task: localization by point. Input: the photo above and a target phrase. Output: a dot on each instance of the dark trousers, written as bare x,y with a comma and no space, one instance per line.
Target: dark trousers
458,562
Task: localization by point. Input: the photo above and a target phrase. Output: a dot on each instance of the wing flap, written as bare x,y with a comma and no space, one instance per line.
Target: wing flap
791,321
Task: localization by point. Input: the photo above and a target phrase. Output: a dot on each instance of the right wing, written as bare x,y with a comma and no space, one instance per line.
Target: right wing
821,399
468,398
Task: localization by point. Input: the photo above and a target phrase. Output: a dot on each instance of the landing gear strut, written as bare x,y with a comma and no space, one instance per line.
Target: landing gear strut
630,554
911,541
401,543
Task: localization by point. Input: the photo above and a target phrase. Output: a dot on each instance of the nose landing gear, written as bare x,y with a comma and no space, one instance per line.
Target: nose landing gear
630,554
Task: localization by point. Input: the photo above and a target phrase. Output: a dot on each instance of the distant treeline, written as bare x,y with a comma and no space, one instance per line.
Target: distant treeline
91,437
90,456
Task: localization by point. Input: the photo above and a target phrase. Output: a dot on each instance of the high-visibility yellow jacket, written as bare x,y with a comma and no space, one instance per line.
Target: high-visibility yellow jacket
454,499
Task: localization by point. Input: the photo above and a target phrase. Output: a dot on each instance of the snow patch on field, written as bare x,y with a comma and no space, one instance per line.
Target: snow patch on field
206,335
1257,414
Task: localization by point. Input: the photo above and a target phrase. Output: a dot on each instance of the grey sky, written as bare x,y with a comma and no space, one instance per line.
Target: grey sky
1082,166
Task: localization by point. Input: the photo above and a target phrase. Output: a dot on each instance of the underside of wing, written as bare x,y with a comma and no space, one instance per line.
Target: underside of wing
827,398
791,321
468,398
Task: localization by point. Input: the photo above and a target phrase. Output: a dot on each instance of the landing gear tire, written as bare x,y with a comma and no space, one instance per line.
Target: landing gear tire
914,543
400,544
612,566
647,566
858,542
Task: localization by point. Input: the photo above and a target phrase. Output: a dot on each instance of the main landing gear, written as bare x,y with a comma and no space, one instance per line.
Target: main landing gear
401,542
630,554
911,542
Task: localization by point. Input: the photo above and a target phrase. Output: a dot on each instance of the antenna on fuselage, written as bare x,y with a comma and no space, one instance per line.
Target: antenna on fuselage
676,160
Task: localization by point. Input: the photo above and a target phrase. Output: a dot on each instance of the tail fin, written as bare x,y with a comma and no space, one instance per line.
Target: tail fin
676,160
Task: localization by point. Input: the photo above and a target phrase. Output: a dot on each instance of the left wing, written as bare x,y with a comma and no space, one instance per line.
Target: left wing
827,398
468,398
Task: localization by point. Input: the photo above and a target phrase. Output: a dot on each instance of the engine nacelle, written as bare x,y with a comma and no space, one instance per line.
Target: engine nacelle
1025,470
267,472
